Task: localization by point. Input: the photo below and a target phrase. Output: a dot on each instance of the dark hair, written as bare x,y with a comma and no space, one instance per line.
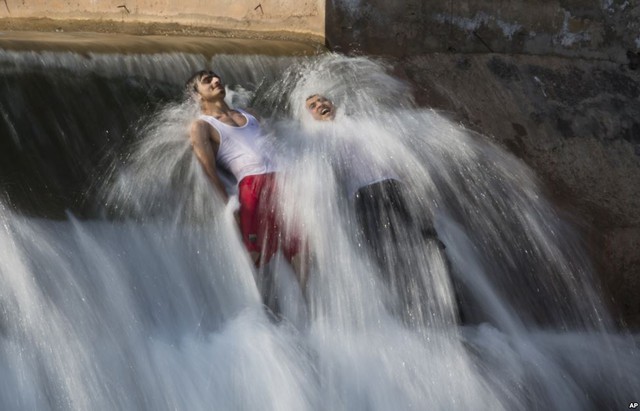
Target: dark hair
191,85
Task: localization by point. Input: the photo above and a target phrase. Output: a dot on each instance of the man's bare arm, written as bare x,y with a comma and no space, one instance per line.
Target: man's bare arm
205,141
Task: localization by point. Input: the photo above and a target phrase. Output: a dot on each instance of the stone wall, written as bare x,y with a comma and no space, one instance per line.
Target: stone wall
306,16
555,82
576,122
603,29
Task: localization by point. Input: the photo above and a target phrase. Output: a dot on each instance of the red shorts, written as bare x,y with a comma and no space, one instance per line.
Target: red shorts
261,221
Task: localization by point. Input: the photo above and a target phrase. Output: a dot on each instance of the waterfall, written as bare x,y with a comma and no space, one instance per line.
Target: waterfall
124,284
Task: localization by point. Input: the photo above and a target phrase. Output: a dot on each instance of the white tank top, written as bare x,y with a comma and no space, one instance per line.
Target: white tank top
241,149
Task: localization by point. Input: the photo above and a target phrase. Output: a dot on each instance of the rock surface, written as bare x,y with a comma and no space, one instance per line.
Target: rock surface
576,123
557,83
605,29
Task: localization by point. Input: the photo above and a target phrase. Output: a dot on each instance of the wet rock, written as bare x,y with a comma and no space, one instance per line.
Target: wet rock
634,60
519,129
575,122
505,71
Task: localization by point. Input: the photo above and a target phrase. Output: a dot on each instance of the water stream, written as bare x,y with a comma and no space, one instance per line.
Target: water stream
124,284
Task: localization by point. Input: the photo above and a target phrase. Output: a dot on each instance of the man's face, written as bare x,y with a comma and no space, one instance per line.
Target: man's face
210,87
320,107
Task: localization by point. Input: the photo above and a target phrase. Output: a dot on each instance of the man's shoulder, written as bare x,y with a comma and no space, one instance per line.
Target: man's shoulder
199,122
201,128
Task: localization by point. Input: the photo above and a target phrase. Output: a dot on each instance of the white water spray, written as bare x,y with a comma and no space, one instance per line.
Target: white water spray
156,305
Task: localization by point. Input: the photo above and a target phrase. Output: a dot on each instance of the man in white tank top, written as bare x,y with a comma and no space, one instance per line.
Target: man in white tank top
232,140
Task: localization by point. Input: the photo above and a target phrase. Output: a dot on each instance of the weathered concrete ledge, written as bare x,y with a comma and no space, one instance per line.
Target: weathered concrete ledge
14,26
304,17
87,42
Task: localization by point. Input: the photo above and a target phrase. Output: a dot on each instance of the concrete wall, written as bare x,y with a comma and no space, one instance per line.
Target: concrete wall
300,16
556,82
603,29
576,122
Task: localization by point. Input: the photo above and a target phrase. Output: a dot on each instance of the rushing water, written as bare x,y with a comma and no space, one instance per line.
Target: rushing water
138,294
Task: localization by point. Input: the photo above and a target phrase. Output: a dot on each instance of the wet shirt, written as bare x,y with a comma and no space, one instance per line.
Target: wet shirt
242,149
359,167
358,158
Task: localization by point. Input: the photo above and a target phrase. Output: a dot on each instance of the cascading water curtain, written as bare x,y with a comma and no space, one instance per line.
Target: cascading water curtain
124,284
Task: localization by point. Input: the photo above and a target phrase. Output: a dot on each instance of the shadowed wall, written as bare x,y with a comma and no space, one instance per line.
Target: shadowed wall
554,82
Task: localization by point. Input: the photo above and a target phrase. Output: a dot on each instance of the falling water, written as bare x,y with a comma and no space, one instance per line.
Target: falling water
124,284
